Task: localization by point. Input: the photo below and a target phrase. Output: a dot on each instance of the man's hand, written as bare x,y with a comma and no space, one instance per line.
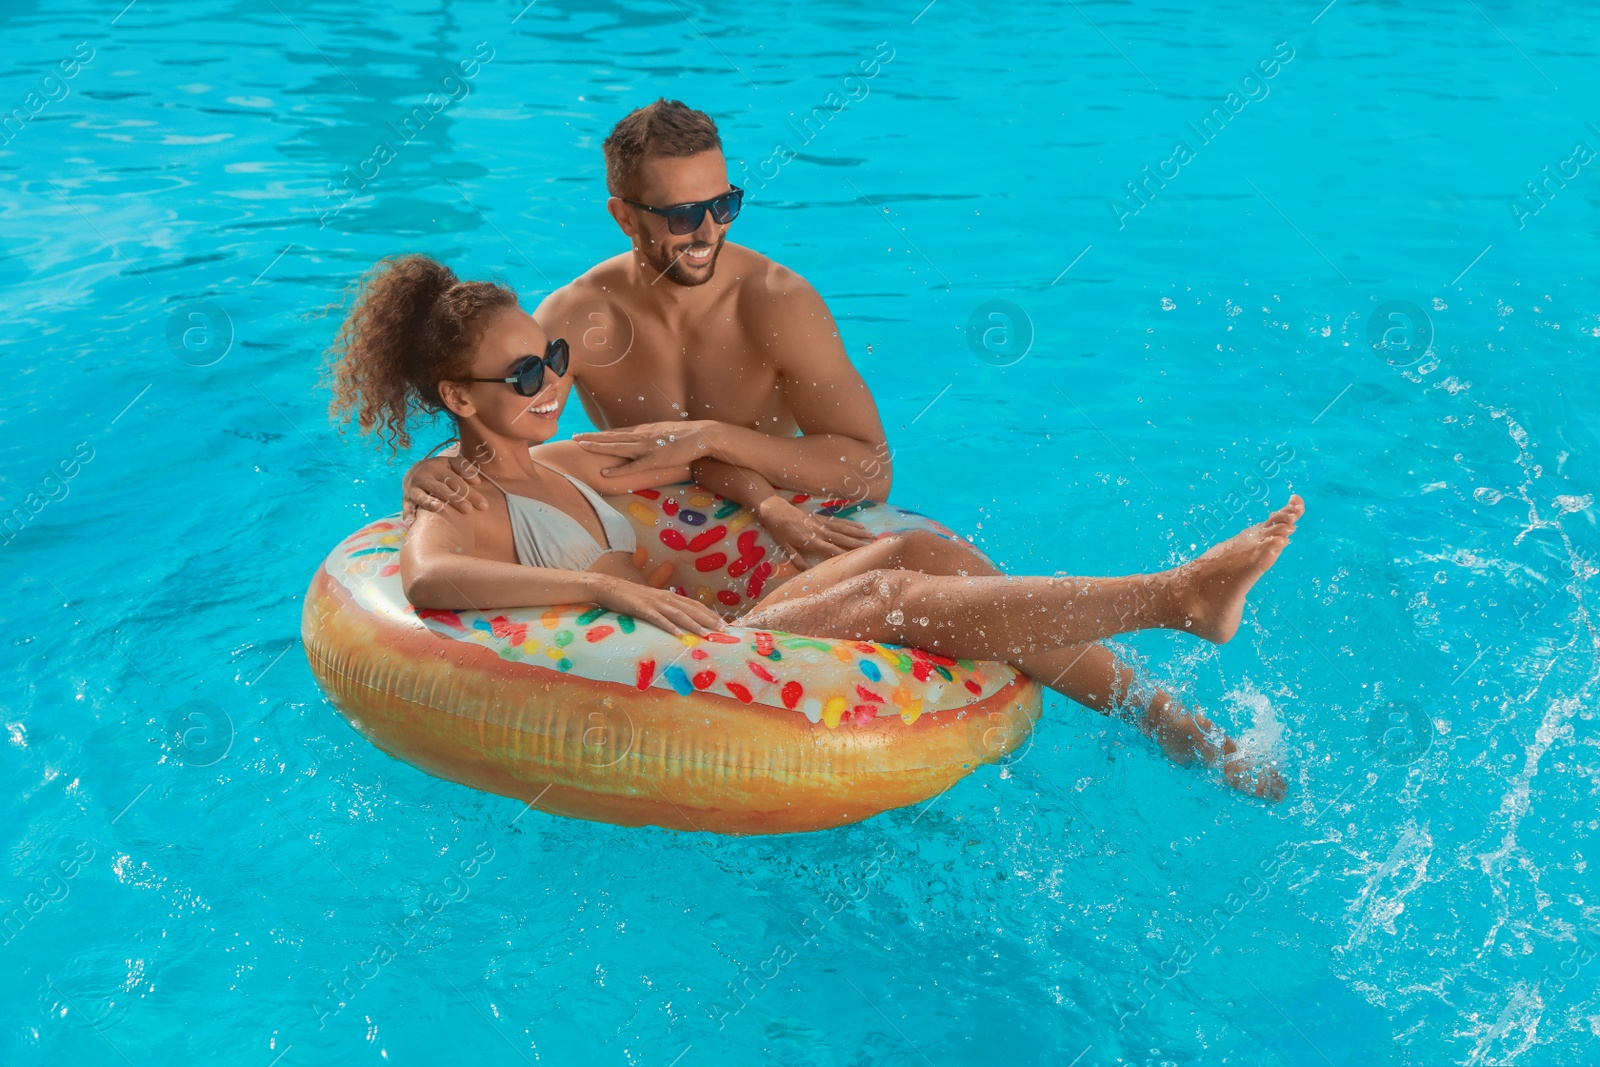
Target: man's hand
653,446
802,534
441,482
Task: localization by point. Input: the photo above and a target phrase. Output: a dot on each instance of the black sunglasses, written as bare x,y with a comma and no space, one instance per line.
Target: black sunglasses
527,374
686,218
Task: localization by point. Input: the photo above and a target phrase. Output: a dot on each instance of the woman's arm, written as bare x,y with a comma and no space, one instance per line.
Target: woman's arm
438,570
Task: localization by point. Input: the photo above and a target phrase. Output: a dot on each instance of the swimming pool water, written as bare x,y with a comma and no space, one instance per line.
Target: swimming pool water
205,864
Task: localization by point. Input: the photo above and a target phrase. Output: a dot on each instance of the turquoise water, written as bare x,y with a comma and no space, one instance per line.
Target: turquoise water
199,850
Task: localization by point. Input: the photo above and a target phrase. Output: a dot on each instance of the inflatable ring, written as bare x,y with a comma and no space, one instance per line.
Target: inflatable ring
585,713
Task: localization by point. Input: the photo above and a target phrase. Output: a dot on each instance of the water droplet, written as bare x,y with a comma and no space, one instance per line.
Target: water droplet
1167,304
895,617
1485,495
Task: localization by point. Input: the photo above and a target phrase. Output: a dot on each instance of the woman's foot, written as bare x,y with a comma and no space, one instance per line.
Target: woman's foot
1250,774
1186,736
1211,589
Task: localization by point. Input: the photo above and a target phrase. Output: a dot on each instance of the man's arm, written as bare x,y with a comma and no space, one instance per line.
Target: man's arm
804,536
842,450
597,334
738,484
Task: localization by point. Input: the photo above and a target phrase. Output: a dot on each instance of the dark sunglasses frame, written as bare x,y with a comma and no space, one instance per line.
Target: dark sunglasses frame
686,218
527,374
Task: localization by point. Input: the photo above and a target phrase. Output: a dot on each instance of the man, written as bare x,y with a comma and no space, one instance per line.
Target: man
713,355
710,352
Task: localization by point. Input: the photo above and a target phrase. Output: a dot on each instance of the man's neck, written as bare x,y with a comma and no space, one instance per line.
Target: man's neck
651,287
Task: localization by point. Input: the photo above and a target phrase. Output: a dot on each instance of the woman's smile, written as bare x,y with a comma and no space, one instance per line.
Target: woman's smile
550,409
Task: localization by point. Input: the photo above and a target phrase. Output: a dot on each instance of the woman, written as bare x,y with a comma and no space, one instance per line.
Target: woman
418,337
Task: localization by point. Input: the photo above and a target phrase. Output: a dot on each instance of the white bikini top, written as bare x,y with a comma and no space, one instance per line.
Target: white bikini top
546,536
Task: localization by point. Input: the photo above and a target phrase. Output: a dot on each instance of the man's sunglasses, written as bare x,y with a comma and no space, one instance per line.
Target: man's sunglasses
686,218
527,374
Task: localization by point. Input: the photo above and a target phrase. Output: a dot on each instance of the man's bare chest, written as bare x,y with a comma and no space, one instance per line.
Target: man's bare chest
700,374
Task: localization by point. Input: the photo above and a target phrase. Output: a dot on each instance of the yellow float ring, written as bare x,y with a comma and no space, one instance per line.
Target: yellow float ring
581,712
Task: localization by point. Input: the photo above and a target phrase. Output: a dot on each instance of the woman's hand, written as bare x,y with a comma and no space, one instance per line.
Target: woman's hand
662,608
800,533
441,482
652,446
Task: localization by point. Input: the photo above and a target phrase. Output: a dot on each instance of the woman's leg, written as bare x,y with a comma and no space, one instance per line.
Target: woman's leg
1087,673
1185,735
914,550
996,617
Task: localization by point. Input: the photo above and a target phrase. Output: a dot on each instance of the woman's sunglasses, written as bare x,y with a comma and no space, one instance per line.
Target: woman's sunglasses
527,374
686,218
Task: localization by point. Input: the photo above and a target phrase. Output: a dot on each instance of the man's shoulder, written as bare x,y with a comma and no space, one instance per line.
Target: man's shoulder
599,285
763,280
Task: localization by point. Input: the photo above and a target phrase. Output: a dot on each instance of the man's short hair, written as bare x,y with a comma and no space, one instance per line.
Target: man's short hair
666,128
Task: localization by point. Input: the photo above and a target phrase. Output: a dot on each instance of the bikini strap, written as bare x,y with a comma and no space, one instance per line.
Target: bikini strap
594,498
588,493
584,489
491,481
613,523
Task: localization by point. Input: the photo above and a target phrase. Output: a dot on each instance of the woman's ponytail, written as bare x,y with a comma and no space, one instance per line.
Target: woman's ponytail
414,325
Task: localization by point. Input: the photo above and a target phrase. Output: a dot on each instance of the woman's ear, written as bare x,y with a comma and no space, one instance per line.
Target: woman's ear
458,399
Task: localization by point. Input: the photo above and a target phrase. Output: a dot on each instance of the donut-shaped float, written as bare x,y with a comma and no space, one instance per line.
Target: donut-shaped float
581,712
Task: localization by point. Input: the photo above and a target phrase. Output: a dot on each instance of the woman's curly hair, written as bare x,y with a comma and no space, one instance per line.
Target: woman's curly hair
414,325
